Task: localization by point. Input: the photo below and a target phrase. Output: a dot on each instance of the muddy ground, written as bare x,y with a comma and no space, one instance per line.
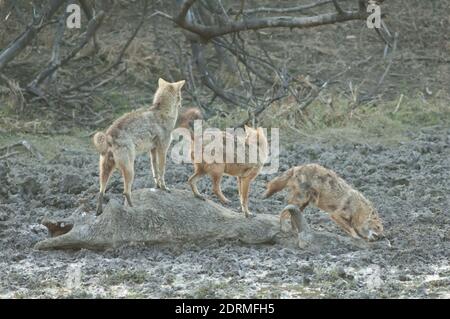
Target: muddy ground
409,182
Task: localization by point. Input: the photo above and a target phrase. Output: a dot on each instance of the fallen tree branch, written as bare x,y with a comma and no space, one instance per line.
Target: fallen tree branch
26,145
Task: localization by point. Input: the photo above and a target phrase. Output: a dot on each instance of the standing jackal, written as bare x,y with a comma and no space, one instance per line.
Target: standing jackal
143,130
245,172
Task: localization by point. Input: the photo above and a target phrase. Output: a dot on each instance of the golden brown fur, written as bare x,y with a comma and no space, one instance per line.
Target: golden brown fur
144,130
188,116
323,188
245,172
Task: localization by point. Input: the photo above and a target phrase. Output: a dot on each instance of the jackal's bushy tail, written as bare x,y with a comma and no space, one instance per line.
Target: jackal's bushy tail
100,142
188,116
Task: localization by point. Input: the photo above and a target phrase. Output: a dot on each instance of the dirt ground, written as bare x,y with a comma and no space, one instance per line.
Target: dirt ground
409,182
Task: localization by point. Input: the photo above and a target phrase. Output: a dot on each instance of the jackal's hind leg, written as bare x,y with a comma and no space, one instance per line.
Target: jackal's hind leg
106,166
128,177
193,183
239,186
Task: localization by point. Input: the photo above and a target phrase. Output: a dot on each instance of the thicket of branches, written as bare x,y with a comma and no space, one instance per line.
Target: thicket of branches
218,50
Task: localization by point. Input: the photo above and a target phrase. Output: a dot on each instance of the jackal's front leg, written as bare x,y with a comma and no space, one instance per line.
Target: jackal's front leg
245,189
161,152
193,183
344,224
154,166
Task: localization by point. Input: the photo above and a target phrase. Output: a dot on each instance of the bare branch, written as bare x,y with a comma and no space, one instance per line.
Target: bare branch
26,145
337,7
87,9
209,32
22,41
184,10
8,155
119,57
239,54
59,34
90,12
93,25
362,5
385,73
206,76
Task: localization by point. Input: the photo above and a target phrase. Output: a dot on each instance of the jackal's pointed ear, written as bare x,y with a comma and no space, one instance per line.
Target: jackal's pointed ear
162,82
178,85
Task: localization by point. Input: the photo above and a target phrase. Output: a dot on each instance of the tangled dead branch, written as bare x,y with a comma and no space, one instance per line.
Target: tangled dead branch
208,32
60,92
24,39
228,54
208,24
93,25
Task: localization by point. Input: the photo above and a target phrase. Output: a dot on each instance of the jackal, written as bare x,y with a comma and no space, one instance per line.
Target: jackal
187,117
322,187
143,130
245,172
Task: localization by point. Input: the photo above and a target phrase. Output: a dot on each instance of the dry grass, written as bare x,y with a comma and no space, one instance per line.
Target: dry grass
387,121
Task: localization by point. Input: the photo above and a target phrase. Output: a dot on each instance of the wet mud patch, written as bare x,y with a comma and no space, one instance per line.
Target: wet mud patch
408,182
